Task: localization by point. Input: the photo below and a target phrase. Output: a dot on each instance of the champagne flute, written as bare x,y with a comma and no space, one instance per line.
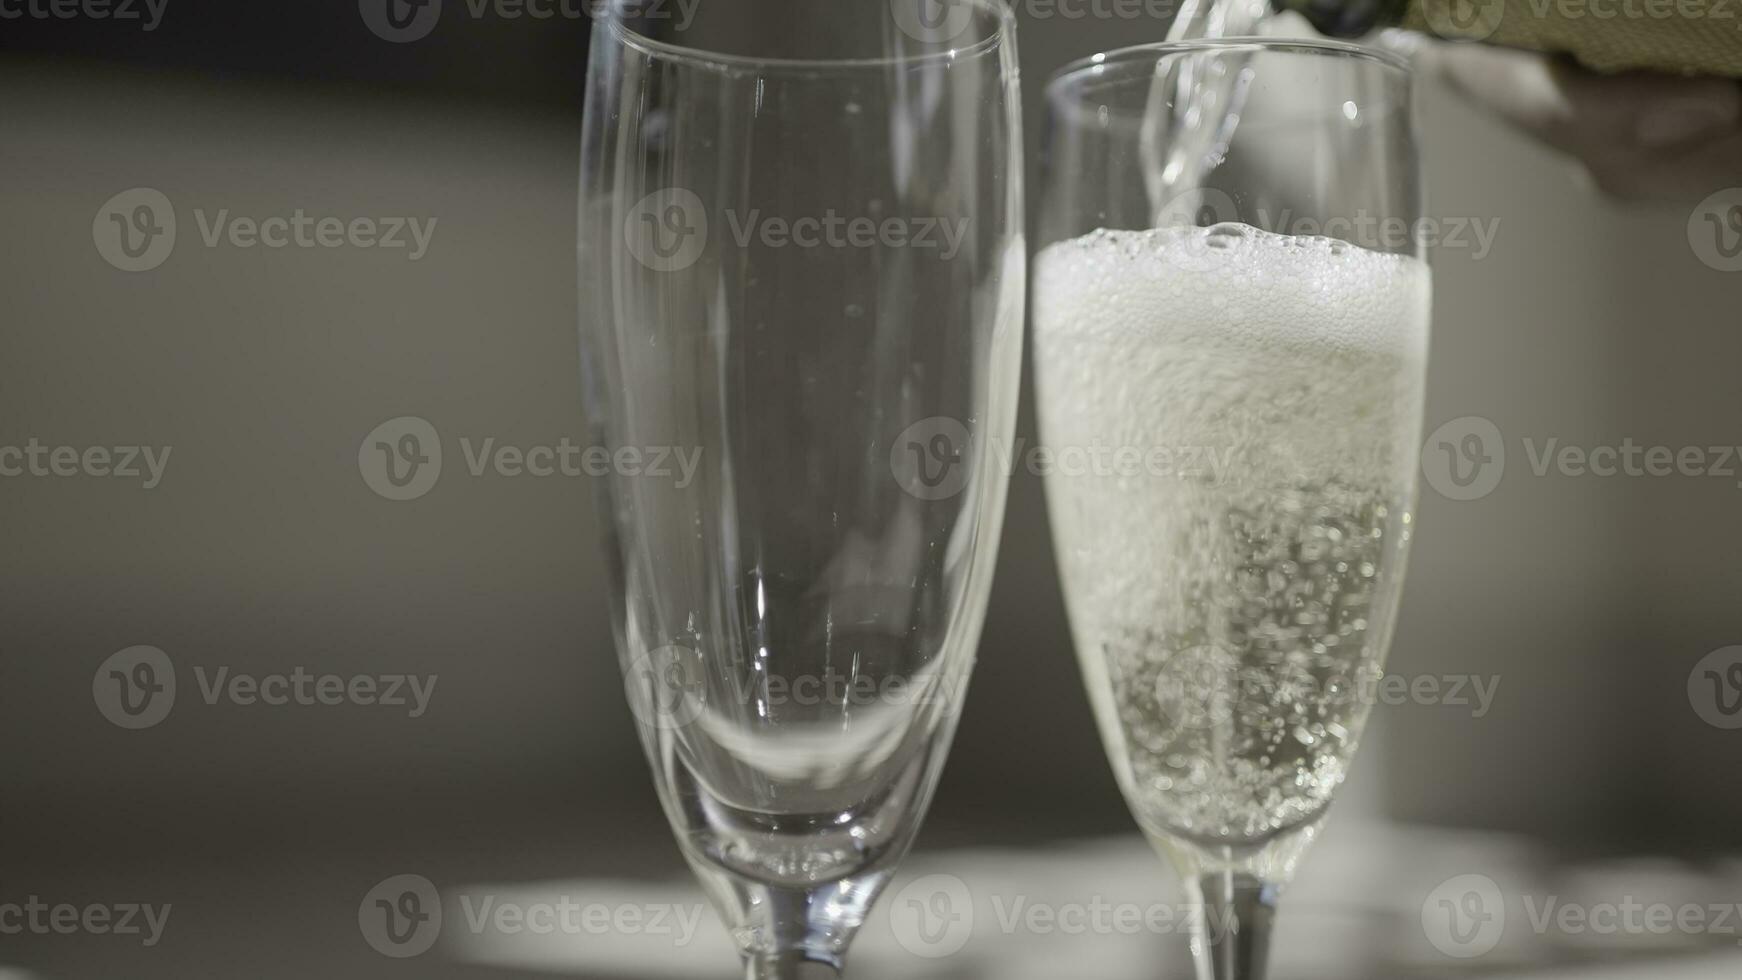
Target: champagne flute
1255,347
802,269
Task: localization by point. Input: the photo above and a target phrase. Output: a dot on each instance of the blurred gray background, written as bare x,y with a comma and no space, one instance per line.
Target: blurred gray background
263,550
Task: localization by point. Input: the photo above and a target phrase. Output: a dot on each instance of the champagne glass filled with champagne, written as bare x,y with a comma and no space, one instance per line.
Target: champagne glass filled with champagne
1238,332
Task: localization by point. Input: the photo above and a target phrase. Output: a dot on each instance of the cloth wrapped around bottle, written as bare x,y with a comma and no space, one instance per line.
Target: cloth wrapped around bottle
1684,37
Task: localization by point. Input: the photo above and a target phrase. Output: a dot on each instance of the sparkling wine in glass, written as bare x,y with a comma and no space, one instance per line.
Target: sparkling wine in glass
802,270
1259,350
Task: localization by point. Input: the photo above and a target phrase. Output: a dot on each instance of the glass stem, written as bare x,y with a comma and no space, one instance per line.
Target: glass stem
1231,938
801,934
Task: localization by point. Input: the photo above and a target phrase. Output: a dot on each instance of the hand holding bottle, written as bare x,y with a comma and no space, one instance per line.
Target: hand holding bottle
1640,136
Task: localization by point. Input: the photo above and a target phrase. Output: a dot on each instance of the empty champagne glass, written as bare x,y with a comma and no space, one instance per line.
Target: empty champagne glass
1245,359
802,271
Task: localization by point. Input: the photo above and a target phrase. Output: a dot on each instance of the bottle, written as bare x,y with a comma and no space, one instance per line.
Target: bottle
1683,37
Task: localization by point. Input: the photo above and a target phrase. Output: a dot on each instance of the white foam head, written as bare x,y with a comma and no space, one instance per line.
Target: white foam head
1234,285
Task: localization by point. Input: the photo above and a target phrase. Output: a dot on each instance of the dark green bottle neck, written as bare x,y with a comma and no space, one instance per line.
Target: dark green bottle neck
1346,18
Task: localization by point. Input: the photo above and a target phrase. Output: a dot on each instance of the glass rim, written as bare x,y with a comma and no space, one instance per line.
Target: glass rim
699,57
1073,71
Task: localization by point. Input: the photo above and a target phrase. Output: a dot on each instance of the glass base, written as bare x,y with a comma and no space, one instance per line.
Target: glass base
790,966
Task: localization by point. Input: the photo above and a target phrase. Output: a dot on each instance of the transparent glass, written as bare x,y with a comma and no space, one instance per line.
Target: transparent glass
1230,344
802,287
